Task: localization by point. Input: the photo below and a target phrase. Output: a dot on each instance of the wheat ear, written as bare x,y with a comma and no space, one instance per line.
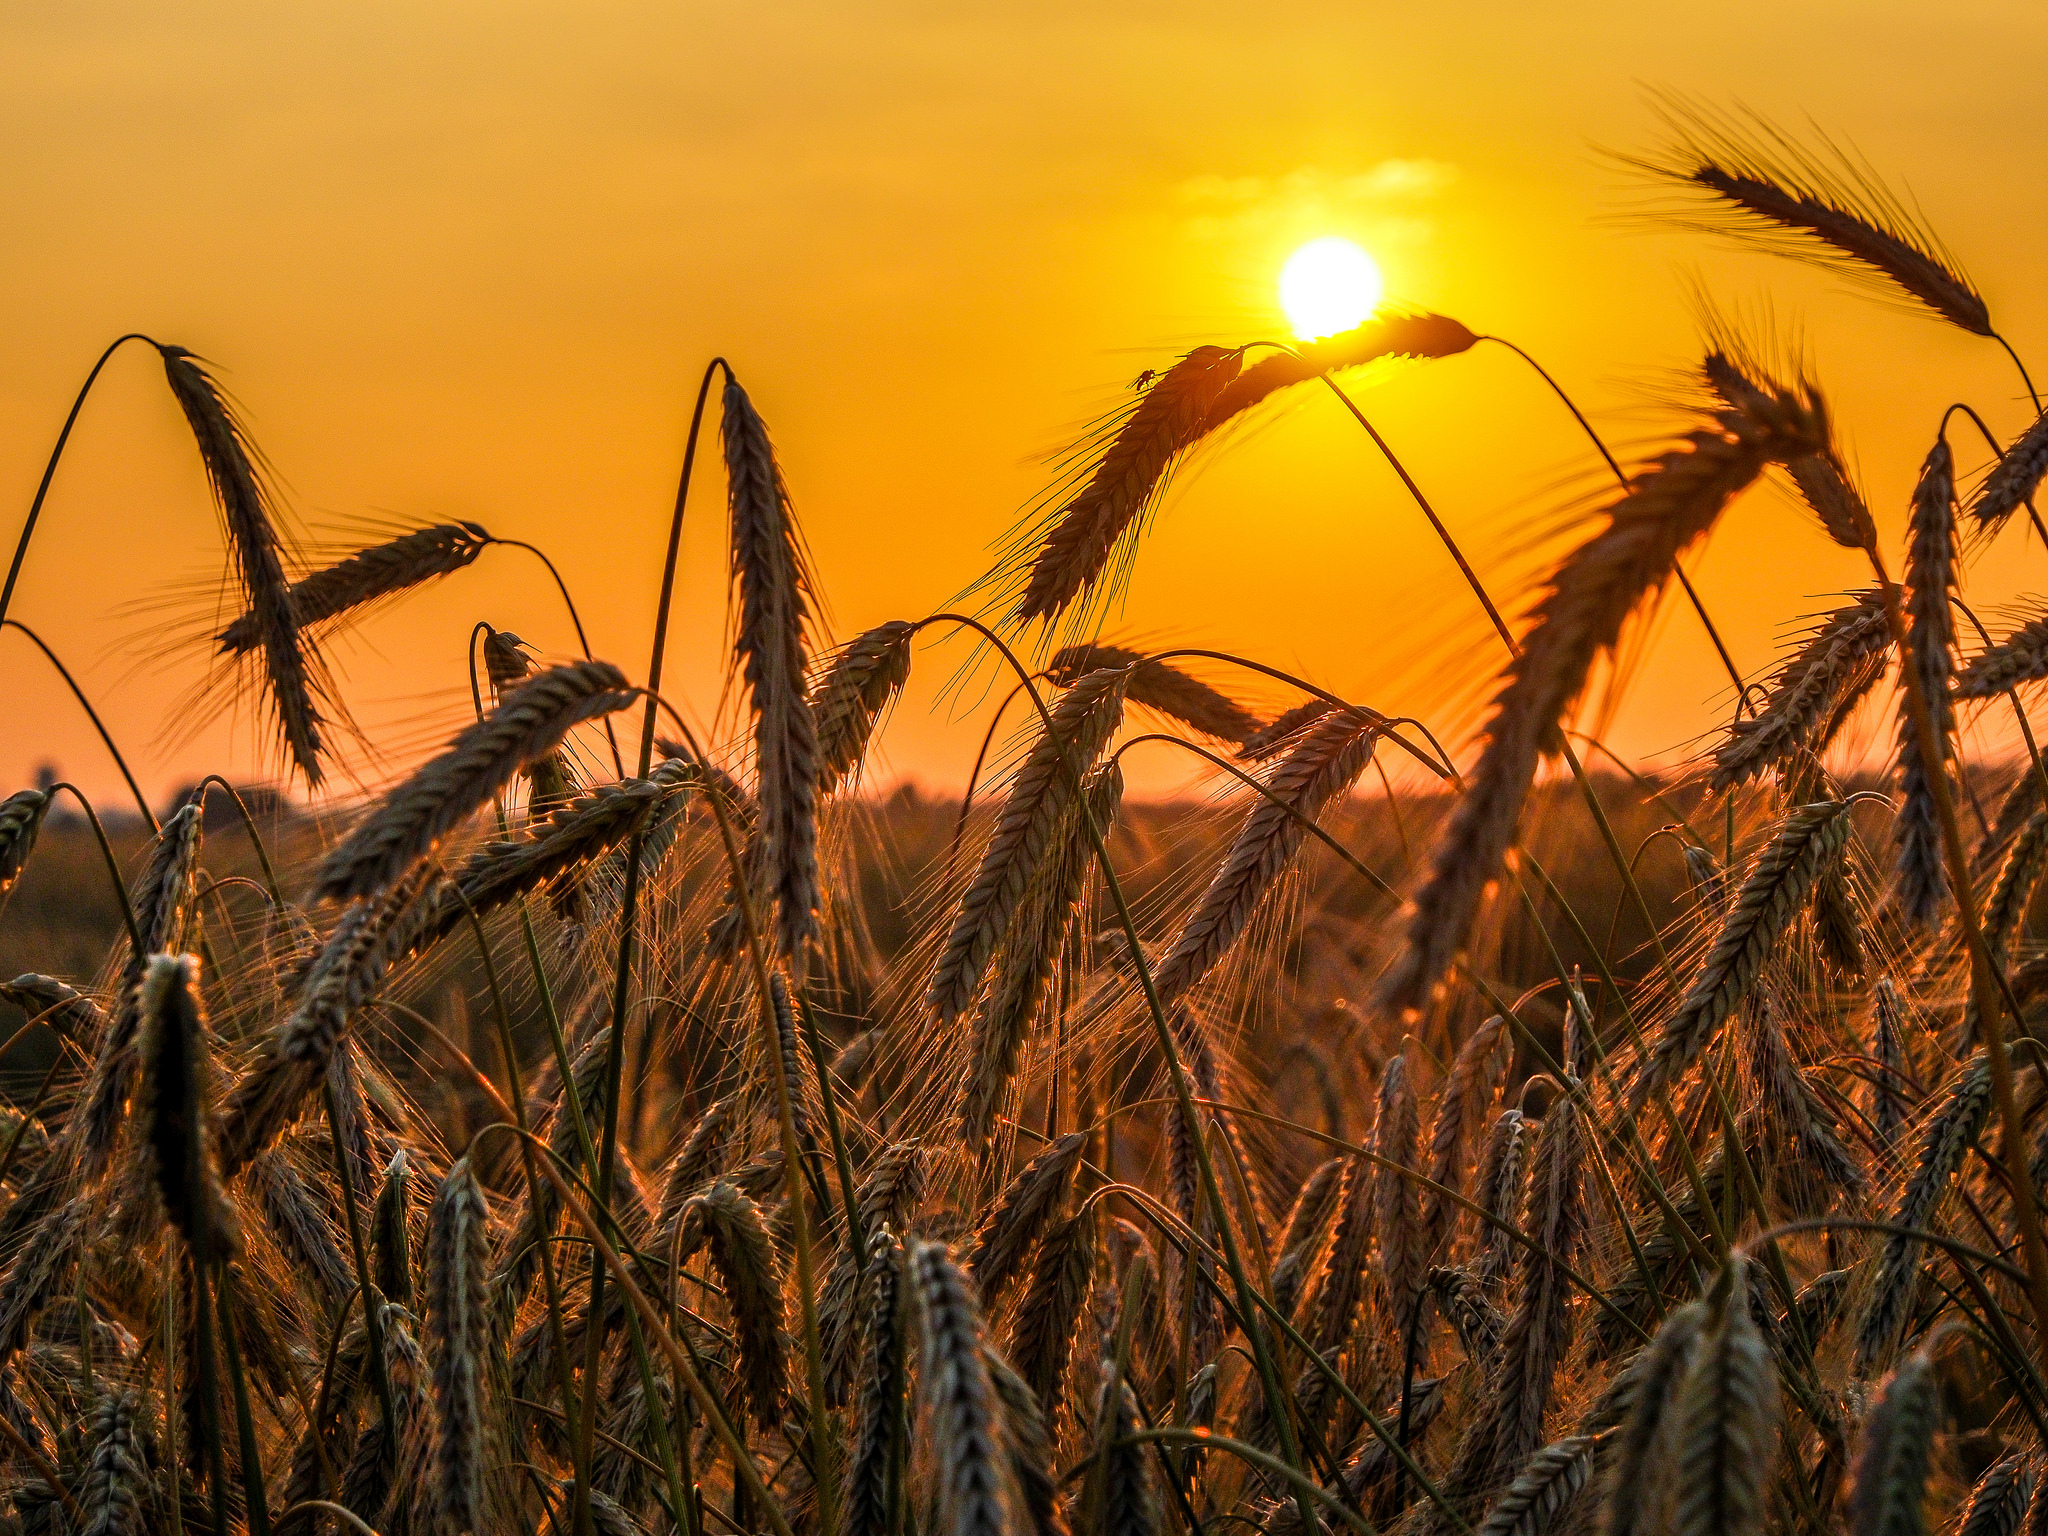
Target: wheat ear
848,699
1809,697
978,1495
1026,1207
397,565
1998,1502
1891,1468
1724,1419
1547,1484
1159,686
459,1331
1930,651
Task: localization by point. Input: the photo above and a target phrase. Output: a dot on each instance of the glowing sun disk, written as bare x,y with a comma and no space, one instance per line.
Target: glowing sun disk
1327,286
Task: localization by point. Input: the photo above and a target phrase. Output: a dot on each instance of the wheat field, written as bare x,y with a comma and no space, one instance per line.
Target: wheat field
604,1129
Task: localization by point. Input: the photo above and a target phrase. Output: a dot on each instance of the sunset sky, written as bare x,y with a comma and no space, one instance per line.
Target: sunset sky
468,261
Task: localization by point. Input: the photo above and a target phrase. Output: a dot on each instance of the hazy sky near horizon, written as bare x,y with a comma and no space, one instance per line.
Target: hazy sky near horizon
468,261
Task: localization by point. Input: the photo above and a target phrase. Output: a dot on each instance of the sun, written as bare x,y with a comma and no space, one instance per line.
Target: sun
1327,286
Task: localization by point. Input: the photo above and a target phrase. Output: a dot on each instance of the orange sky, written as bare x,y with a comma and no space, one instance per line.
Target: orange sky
467,261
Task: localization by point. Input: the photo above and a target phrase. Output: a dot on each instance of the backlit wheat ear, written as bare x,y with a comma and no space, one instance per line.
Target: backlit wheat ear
1326,761
60,1005
1308,1224
1810,696
1029,1442
1998,1504
2014,479
390,1237
291,665
1160,686
1041,797
1891,1468
848,700
1498,1188
2021,657
1049,1315
460,1336
1771,898
1724,1420
116,1493
743,1253
1666,508
1547,1483
21,818
1888,1108
1819,1171
176,1088
1030,957
1024,1210
1280,733
409,820
1931,650
1472,1315
883,1376
1344,1272
888,1199
1954,1128
1822,481
1771,193
1461,1104
397,565
772,651
1383,336
1404,1261
978,1495
1538,1331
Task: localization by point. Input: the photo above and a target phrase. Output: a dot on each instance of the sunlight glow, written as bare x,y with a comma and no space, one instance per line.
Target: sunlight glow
1327,286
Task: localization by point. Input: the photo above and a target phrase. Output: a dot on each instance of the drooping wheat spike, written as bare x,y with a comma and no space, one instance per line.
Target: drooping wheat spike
2006,910
1888,1105
2014,479
1891,1468
1029,1440
1383,336
1498,1188
978,1495
883,1374
347,974
1817,1170
1344,1276
2021,657
299,1223
1048,1317
1159,686
1404,1260
1666,508
1724,1419
1837,924
1301,1239
1461,1103
58,1004
459,1333
176,1093
1998,1503
1822,481
2020,802
291,664
1041,796
1129,1506
1931,653
1026,1207
1538,1331
791,1061
888,1197
1770,900
1547,1483
1167,420
1030,956
1778,196
743,1253
21,818
1943,1141
696,1163
1820,1301
1810,696
848,699
41,1269
390,1237
1477,1322
772,651
116,1492
397,565
1323,765
410,819
1278,734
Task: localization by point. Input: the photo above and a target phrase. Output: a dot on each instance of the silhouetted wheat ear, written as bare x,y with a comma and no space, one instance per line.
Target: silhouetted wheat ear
406,824
176,1085
883,1378
1027,830
396,565
1471,1313
1931,652
291,665
1029,958
1778,196
1888,1107
1891,1468
1323,764
346,975
1498,1186
116,1493
1547,1483
1301,1240
2014,478
1047,1318
848,699
888,1199
1944,1140
1820,478
1810,696
21,818
390,1237
1807,842
1817,1171
1462,1104
978,1495
2006,910
1998,1503
60,1005
1383,336
1724,1420
697,1162
771,649
1160,686
1667,507
1278,734
1167,420
743,1253
459,1335
1029,1443
1025,1208
2021,657
1404,1260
